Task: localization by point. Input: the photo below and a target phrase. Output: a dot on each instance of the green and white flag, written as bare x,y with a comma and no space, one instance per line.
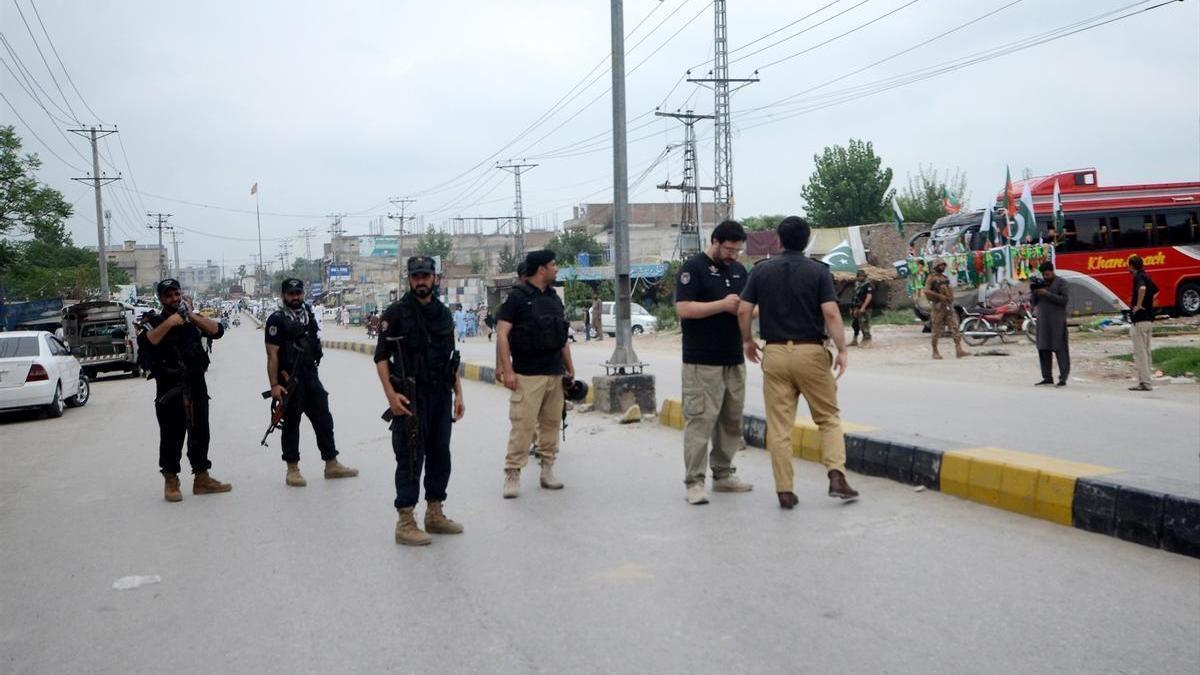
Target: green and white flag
1024,224
1059,219
985,226
899,216
841,258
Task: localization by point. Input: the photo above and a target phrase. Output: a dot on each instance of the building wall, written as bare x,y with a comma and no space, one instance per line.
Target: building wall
140,261
653,227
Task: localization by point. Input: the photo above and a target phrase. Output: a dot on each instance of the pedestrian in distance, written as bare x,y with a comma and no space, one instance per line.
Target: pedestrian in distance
489,320
1141,317
597,317
714,370
170,347
1049,299
798,316
417,364
533,357
941,313
587,324
460,323
860,309
293,357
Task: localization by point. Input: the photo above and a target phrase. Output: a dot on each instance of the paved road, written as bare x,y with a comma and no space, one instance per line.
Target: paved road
1100,423
614,574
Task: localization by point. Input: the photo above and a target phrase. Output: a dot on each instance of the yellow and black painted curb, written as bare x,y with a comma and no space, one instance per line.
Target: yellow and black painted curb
1157,512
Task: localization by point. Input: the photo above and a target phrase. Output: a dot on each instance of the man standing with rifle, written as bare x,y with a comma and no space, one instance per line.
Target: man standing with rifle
173,349
418,368
293,354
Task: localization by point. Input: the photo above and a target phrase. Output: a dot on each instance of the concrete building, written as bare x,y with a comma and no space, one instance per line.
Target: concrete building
201,277
653,228
141,261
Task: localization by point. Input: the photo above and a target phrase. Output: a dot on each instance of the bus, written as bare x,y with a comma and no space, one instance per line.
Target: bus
1102,226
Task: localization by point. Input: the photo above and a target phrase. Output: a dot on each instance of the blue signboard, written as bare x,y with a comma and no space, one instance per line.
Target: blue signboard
339,273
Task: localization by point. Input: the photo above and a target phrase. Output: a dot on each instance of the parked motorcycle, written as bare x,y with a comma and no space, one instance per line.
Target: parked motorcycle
1009,320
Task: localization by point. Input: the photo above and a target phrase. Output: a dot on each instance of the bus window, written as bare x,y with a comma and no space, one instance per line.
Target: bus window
1113,235
1069,241
1088,232
1181,228
1133,231
1158,229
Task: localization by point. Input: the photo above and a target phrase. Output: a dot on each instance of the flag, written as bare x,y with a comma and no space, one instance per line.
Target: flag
1010,205
899,216
1026,225
950,203
1059,219
254,189
985,226
841,258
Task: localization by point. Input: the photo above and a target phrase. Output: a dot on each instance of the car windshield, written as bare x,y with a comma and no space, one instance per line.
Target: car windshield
15,347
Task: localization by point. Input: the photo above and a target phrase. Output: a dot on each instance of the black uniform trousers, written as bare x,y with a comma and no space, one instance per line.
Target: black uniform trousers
173,425
309,398
1064,362
434,410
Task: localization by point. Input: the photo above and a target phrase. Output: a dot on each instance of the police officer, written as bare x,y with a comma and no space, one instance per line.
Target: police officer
293,354
172,344
941,313
798,313
714,370
534,357
416,353
864,295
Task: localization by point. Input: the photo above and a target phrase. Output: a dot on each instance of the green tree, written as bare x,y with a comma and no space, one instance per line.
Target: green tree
569,244
921,201
434,243
848,187
507,260
759,223
477,264
27,208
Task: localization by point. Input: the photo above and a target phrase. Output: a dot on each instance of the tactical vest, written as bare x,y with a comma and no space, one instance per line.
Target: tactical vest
299,340
179,351
546,330
427,343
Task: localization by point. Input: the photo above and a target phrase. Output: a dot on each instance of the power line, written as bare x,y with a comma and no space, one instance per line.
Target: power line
839,36
54,49
39,138
32,81
774,32
46,63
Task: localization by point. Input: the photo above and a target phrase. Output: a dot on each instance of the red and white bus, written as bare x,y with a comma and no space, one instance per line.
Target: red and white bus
1103,226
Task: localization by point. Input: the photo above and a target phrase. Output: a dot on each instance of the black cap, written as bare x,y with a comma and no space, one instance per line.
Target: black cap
421,264
536,259
168,285
521,270
291,286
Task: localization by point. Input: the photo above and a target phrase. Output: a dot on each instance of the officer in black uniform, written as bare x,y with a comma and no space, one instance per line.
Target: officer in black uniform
293,354
172,349
418,368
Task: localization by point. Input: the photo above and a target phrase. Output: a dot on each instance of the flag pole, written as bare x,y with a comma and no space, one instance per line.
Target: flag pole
258,222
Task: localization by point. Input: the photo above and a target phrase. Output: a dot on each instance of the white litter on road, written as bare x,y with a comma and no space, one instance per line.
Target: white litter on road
131,582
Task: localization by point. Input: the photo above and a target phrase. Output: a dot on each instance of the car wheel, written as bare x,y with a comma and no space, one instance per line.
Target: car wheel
56,407
637,330
81,397
1189,298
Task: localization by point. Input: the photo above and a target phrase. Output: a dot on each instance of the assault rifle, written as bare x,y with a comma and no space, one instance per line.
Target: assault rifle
182,391
405,385
278,408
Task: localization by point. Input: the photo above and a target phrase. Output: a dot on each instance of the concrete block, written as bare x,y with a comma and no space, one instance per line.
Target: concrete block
754,430
1181,525
900,462
672,413
875,456
615,393
1055,492
810,442
1094,507
927,467
1140,515
1018,488
488,374
983,481
856,448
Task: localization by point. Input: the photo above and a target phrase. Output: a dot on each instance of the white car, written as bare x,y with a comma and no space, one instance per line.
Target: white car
641,320
38,371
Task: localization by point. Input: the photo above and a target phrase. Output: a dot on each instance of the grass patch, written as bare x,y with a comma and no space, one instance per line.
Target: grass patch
1173,361
894,317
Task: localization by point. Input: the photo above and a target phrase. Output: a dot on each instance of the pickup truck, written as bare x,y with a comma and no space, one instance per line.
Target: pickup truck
101,335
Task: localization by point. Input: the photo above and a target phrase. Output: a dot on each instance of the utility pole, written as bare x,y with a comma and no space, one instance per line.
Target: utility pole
689,240
335,235
719,79
307,233
98,180
518,209
402,202
285,249
108,226
175,246
160,226
623,359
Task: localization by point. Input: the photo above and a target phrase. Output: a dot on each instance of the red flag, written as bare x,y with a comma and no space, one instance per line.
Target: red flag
254,189
1010,200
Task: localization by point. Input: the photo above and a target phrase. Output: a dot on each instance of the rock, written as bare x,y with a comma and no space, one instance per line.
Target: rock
633,414
583,408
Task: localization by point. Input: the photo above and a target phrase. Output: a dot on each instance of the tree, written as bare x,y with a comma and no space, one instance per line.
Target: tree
435,244
759,223
507,260
477,264
569,244
922,201
848,186
27,208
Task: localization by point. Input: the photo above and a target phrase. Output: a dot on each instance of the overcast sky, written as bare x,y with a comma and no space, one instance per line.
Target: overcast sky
336,108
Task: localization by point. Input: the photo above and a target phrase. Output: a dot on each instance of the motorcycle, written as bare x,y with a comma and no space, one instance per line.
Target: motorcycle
236,321
1008,320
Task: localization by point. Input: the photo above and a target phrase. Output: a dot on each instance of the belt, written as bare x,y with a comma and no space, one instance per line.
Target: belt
795,342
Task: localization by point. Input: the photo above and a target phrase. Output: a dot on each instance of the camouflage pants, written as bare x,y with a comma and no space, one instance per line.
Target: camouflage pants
862,323
943,318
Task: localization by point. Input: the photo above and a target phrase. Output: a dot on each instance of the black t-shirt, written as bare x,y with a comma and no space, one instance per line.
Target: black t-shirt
518,309
180,343
1146,313
789,291
714,340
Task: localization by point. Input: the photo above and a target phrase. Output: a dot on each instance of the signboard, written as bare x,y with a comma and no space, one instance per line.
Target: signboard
378,247
339,273
315,288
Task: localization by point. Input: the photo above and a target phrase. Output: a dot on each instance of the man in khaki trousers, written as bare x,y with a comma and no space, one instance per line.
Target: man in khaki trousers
533,357
1141,318
798,312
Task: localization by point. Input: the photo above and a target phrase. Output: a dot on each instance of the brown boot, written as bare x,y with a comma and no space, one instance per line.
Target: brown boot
854,342
936,355
294,478
436,521
205,484
838,487
407,532
788,500
171,490
335,469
